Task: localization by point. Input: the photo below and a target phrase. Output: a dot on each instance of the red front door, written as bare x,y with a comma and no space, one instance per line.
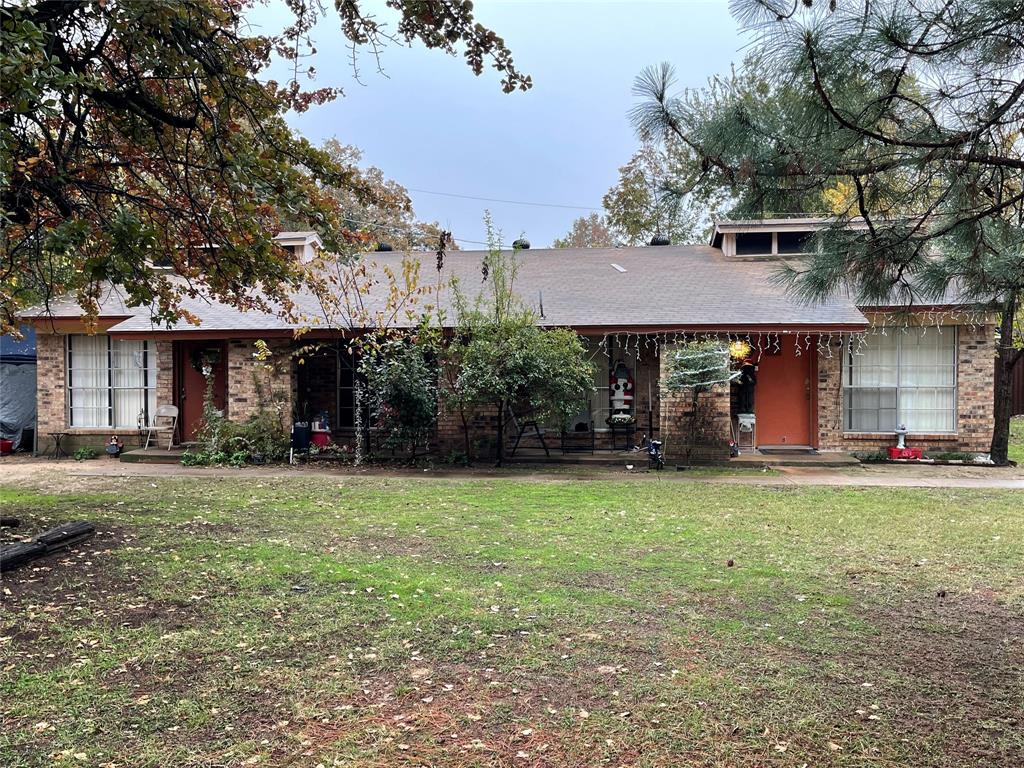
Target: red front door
191,384
782,399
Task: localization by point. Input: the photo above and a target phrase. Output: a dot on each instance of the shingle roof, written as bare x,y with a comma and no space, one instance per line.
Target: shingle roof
111,301
677,287
666,287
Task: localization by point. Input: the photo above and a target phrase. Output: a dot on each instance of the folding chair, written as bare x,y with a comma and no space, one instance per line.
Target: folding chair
530,423
166,416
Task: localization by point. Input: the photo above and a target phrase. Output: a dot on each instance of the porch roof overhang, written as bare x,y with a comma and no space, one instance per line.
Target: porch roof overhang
201,334
583,330
597,330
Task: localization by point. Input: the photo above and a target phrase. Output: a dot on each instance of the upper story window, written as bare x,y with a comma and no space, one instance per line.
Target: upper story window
792,242
110,382
753,243
771,243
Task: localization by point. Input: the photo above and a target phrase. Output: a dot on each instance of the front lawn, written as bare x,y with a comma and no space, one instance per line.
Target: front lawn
1017,440
393,622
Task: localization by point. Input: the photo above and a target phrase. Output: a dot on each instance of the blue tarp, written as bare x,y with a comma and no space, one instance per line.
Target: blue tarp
13,350
17,385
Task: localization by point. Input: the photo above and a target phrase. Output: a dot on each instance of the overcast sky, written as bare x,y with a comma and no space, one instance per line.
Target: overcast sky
430,124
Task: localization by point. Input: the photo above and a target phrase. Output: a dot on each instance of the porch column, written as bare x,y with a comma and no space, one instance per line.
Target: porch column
675,414
51,387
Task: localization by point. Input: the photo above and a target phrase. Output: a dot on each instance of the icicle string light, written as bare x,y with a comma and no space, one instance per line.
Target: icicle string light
634,345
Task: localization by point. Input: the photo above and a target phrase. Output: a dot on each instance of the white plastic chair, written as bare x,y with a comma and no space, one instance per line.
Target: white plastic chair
166,416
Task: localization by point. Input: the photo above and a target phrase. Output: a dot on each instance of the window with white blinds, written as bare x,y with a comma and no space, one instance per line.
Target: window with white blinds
907,376
111,382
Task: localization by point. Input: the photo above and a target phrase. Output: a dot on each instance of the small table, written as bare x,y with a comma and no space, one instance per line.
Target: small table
58,450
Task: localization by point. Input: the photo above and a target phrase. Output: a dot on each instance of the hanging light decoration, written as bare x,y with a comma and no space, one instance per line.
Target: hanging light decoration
739,349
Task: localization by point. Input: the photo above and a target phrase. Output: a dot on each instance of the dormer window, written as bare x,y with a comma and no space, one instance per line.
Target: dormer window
754,243
788,243
766,238
772,243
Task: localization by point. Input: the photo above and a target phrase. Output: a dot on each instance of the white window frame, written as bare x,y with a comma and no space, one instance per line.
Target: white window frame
849,357
149,370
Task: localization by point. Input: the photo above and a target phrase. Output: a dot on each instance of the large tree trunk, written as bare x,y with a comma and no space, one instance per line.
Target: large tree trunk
1008,357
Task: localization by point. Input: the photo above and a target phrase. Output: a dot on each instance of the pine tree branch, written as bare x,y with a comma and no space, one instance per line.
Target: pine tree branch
958,139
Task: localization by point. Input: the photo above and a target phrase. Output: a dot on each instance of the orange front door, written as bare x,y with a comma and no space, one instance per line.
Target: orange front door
782,397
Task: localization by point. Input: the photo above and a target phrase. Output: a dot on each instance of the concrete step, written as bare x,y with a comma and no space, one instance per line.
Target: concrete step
823,459
153,456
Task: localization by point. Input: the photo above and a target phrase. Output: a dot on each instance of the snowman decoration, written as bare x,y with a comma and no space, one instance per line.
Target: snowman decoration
621,386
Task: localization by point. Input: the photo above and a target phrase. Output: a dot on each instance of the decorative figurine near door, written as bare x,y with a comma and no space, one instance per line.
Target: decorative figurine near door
115,447
747,381
620,383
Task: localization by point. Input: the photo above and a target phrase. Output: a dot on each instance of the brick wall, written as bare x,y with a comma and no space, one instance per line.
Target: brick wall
975,387
51,386
253,384
975,350
164,372
483,431
675,412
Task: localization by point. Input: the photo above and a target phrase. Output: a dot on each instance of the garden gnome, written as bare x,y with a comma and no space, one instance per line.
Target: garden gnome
115,446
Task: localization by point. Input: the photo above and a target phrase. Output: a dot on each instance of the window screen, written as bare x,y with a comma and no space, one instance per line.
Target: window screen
904,377
794,242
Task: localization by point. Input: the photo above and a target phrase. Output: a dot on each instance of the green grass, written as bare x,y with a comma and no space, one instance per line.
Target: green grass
379,621
1017,440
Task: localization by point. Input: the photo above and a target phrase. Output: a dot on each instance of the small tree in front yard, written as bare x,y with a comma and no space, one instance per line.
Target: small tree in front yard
501,358
696,367
401,383
516,365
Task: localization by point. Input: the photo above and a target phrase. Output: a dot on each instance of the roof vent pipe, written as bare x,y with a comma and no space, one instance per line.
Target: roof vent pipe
522,244
660,239
382,247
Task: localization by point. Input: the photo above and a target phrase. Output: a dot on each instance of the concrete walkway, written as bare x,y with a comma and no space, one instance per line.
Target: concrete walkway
16,469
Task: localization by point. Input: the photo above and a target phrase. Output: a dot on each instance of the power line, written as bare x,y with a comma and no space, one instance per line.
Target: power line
411,231
510,202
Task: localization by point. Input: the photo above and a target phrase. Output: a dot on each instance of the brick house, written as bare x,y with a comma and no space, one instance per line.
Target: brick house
830,376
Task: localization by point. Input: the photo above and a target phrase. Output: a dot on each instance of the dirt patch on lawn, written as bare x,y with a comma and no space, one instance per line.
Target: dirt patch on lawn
85,567
897,678
88,583
458,714
940,680
957,667
386,545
